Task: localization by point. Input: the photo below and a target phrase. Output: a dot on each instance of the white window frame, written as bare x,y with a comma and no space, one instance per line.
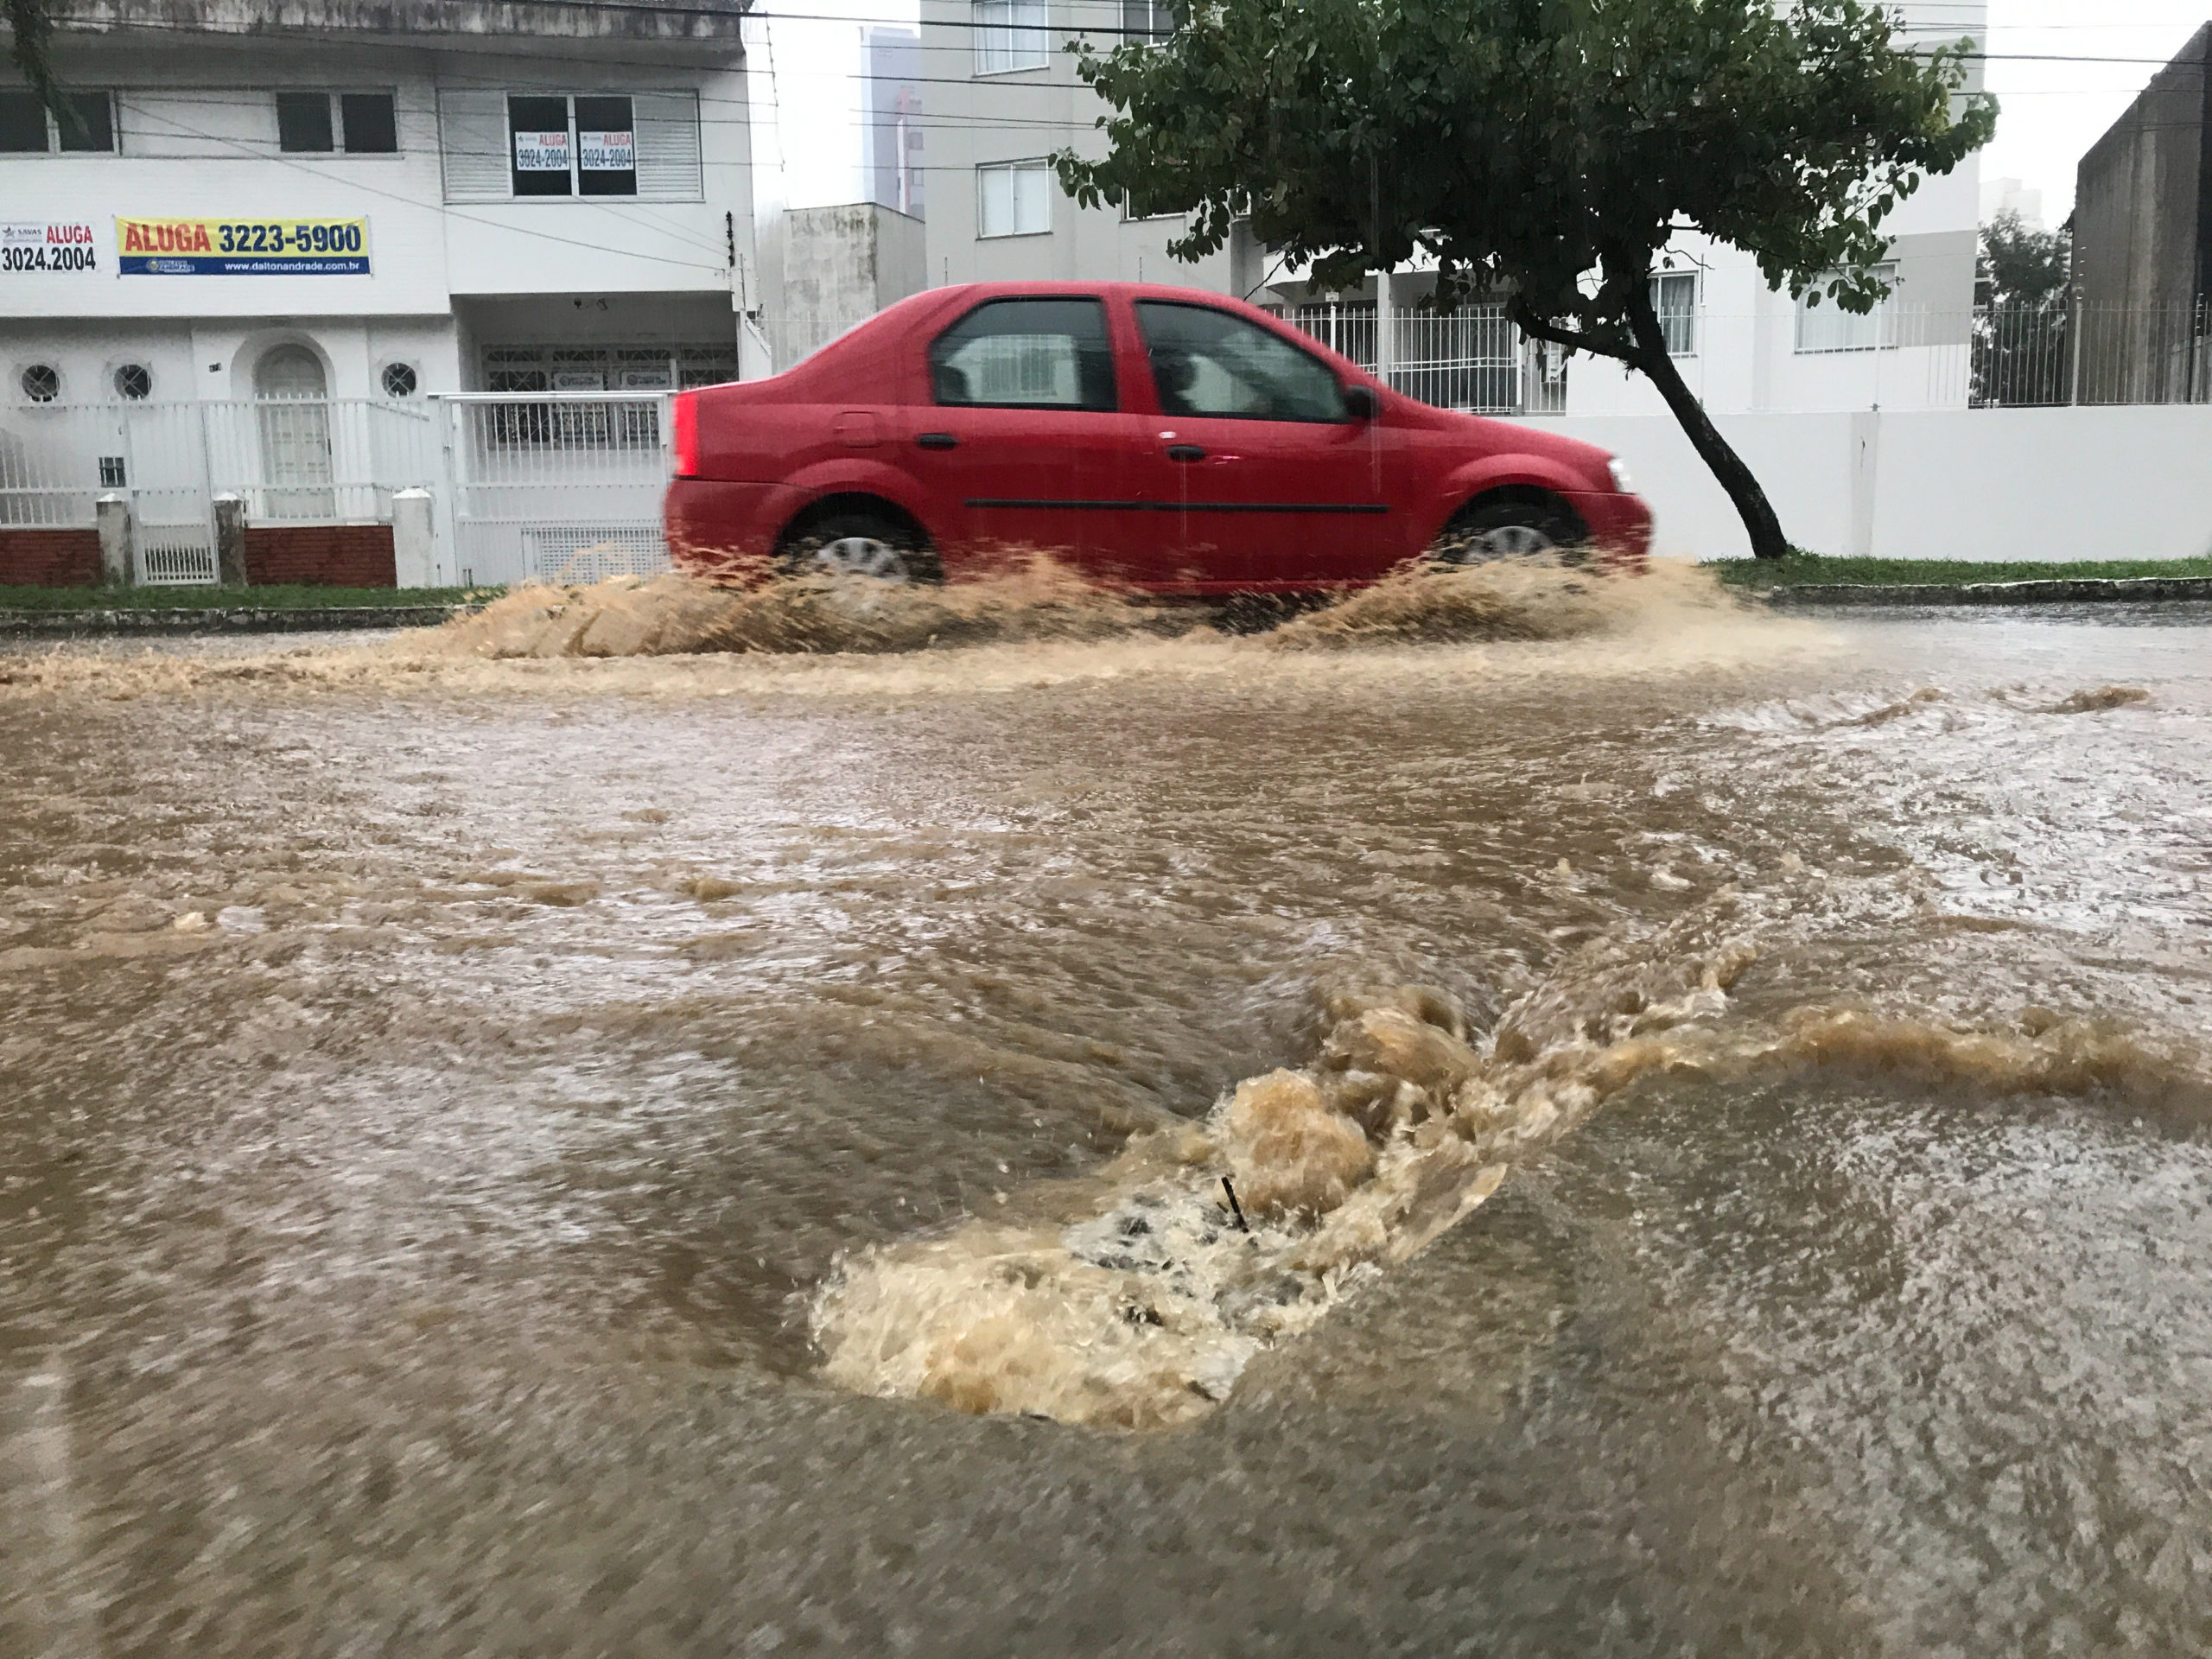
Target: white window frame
54,128
1873,331
1011,36
985,172
1685,318
1153,33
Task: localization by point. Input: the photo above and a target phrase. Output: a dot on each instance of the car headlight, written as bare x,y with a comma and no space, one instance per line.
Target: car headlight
1618,468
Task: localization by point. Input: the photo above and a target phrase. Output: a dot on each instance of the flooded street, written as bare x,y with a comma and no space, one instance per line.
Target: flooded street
721,1154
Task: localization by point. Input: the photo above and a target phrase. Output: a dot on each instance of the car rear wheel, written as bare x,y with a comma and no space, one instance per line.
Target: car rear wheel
861,544
1514,528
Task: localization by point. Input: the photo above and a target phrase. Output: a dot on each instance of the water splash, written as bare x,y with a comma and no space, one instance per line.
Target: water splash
1134,1299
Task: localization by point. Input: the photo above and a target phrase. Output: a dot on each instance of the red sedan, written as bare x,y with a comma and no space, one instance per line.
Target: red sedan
1152,438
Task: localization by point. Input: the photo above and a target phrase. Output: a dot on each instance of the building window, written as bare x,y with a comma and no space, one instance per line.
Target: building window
1014,199
606,368
1151,21
582,146
134,381
27,127
496,146
607,148
1011,34
1827,327
42,383
1674,297
398,380
370,124
361,124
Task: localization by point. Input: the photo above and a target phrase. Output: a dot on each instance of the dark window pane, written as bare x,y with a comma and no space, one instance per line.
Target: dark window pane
22,122
540,152
1206,362
93,127
303,121
1027,354
371,127
607,148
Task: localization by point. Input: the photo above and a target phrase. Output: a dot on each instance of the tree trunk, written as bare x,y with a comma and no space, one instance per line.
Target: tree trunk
1743,486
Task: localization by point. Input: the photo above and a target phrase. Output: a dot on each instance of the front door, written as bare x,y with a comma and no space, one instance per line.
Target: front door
295,419
1024,447
1276,484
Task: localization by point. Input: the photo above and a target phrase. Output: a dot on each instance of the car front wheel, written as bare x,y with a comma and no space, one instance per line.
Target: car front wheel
1511,529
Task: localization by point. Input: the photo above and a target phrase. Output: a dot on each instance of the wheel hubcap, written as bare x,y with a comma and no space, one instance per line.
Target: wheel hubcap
861,556
1507,541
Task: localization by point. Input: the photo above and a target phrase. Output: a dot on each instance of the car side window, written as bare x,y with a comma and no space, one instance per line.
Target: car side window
1206,362
1040,354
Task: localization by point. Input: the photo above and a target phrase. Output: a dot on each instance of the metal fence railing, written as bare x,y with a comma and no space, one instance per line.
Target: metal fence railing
1474,359
329,460
556,487
1470,359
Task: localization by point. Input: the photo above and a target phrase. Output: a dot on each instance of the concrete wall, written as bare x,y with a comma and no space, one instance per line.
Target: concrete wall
2138,190
1940,484
839,266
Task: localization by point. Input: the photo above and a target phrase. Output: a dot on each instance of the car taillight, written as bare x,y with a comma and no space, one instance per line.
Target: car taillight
684,435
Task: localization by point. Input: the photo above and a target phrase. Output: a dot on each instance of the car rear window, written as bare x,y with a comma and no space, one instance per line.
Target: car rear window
1017,353
1206,362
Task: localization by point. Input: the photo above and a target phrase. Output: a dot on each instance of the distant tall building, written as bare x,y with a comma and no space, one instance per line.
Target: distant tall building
894,138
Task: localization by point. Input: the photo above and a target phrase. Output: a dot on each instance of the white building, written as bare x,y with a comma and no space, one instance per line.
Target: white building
271,232
529,195
1003,94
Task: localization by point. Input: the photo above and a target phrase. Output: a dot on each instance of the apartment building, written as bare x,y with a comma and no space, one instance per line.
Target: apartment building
1002,96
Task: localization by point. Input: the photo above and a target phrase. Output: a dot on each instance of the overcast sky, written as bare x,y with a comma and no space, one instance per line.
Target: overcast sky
2051,112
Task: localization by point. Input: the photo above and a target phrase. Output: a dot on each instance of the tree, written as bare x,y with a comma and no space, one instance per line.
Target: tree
2021,336
1549,148
30,27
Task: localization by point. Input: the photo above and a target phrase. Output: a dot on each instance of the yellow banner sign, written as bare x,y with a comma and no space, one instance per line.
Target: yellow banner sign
242,247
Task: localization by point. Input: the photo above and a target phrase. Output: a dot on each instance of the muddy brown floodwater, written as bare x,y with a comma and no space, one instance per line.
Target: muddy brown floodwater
512,1146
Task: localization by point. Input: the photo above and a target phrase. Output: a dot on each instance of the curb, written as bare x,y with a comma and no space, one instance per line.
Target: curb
2063,591
243,620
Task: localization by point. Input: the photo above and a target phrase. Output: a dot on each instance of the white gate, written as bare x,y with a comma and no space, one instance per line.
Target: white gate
330,459
557,486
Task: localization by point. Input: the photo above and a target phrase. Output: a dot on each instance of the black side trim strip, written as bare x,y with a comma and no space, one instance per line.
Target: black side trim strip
1362,507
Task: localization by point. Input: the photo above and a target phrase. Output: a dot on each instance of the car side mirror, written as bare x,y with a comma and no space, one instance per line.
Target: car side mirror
1361,403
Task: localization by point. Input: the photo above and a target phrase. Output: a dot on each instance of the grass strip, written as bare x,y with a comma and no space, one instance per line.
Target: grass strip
61,600
1807,570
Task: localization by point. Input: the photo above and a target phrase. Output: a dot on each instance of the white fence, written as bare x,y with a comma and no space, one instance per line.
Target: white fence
308,460
1472,359
2007,357
556,487
2058,483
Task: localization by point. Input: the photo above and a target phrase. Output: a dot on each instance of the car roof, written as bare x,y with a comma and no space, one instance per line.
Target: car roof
1084,290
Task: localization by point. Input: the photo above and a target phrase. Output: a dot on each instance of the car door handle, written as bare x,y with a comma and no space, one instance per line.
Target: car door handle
1185,452
937,440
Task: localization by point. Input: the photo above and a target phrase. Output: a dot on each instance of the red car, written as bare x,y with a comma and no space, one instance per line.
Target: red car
1153,438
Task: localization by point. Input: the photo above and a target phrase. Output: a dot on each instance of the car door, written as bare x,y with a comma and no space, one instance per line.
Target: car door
1025,444
1277,483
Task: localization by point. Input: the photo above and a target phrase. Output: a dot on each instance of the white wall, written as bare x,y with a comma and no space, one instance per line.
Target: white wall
2103,483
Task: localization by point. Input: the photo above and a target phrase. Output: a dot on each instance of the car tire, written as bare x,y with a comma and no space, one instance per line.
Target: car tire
1511,528
864,544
